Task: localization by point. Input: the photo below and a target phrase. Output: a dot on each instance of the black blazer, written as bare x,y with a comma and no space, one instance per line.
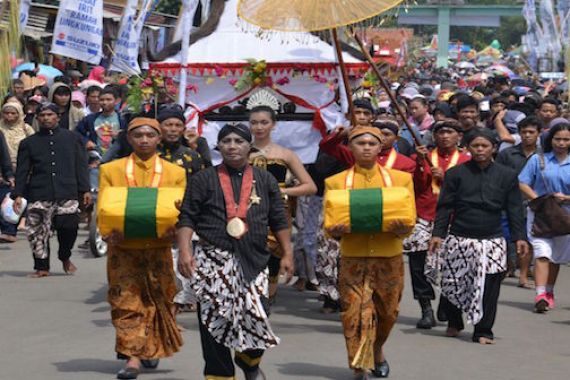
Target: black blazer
52,166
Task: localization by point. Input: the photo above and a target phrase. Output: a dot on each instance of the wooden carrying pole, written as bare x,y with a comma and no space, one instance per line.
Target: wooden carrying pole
387,88
344,74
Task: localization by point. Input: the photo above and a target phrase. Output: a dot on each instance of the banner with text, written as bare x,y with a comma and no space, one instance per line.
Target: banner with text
78,30
24,13
125,59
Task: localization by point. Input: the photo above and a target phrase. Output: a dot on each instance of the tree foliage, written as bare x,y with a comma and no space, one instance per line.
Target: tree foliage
508,34
171,7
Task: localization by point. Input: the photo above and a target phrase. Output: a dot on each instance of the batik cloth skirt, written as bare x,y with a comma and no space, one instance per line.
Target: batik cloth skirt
419,240
328,258
231,307
466,262
141,288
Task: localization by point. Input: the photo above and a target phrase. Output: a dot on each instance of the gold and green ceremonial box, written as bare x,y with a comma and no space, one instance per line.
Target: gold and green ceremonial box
369,210
138,212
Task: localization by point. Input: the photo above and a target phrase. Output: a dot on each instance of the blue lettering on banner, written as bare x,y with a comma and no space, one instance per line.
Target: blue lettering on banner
79,23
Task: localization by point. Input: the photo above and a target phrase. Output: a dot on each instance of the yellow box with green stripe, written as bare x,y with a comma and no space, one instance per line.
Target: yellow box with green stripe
138,212
369,210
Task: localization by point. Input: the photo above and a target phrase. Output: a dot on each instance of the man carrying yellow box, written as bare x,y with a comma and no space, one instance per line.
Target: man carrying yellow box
371,209
137,214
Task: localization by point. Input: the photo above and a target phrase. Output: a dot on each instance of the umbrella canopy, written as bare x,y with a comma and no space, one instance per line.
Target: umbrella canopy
49,72
465,65
479,77
501,71
310,16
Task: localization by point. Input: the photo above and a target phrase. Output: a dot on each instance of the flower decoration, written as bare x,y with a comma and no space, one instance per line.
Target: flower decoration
192,88
283,81
219,70
369,80
319,78
255,74
144,89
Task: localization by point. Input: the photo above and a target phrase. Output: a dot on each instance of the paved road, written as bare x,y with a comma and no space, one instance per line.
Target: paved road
59,328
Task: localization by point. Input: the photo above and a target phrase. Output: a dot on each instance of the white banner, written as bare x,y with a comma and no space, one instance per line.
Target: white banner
78,30
24,13
125,59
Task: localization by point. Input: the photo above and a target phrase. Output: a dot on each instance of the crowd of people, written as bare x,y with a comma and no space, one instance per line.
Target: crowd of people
473,159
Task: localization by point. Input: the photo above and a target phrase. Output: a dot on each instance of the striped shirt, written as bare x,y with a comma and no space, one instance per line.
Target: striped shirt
204,211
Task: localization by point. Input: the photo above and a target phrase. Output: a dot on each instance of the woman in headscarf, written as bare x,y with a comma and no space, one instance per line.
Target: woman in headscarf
13,129
97,74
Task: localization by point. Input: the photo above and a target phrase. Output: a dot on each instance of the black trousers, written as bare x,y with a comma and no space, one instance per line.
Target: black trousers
66,227
483,329
420,285
218,357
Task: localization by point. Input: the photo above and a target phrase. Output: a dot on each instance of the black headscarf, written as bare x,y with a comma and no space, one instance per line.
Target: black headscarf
171,114
47,106
239,129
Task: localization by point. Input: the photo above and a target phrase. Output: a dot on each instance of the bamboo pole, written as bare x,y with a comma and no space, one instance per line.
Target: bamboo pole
347,88
387,88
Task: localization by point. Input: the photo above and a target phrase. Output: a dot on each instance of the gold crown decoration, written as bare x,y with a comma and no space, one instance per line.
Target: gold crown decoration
263,97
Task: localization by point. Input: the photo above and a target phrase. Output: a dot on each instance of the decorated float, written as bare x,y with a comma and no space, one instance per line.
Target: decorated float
234,69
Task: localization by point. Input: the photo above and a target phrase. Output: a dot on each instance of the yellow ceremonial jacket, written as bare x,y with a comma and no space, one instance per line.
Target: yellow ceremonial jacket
382,244
114,174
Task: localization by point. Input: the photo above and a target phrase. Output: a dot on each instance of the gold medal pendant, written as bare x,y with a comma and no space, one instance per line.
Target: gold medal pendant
236,228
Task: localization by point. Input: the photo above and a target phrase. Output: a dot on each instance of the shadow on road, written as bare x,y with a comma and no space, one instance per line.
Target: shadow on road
89,365
526,306
97,296
307,370
99,366
18,273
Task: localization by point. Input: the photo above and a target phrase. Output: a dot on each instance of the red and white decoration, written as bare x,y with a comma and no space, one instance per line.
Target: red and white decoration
304,73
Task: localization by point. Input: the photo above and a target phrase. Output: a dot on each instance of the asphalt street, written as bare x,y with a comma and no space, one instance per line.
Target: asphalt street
59,328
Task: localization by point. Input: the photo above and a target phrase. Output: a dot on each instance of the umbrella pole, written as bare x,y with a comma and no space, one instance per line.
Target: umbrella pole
344,74
387,88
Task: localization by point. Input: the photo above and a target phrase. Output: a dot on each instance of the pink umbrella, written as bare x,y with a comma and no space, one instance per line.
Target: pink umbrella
501,70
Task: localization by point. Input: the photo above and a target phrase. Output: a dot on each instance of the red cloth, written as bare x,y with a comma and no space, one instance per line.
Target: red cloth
426,200
318,122
334,145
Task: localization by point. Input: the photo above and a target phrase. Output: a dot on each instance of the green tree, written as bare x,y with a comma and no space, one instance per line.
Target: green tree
171,7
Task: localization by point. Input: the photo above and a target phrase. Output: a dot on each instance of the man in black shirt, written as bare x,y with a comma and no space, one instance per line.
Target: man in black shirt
515,158
52,174
172,125
230,207
473,197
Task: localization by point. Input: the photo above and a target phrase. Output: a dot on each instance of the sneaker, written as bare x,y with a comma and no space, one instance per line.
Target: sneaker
541,303
550,299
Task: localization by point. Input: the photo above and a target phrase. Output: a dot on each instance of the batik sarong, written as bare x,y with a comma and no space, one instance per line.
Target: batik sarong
141,288
419,240
328,257
231,308
466,262
370,293
39,223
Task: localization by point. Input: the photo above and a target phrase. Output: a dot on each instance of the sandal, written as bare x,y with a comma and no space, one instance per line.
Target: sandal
525,285
128,373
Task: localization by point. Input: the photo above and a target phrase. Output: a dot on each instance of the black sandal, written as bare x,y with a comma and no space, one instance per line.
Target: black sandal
128,373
